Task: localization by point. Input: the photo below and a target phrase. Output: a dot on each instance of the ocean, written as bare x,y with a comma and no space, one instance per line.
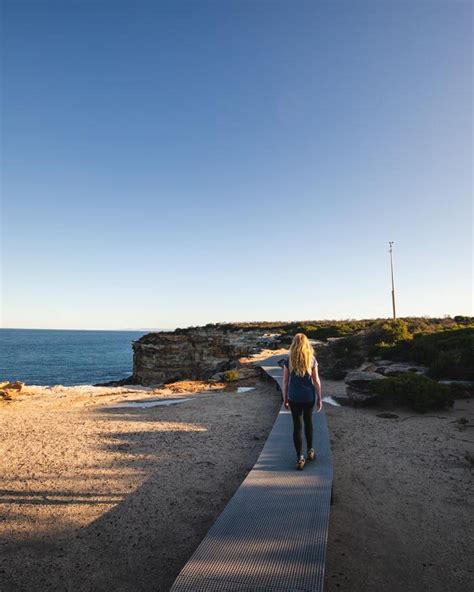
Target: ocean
50,356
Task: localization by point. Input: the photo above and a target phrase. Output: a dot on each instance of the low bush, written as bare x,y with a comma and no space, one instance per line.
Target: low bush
341,356
323,331
462,320
461,391
417,392
388,333
345,347
447,353
457,365
230,376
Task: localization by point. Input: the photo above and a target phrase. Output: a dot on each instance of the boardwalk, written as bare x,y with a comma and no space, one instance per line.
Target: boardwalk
272,534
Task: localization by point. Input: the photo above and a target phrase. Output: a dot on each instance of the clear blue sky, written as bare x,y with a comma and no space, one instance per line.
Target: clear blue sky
168,164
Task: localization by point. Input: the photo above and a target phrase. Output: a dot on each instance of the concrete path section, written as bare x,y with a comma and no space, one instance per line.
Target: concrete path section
272,534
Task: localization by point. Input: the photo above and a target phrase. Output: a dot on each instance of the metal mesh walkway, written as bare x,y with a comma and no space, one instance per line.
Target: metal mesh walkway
272,534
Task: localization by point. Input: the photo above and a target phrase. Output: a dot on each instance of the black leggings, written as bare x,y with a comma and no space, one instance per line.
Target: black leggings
300,412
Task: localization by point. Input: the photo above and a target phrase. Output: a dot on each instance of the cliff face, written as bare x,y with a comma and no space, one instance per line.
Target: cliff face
200,352
192,354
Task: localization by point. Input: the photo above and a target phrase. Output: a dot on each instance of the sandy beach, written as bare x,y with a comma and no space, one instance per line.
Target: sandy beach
100,498
117,499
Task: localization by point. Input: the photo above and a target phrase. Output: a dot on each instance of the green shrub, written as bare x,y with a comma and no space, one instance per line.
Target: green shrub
341,356
321,332
417,392
324,329
345,347
462,320
396,330
387,333
231,376
448,353
461,391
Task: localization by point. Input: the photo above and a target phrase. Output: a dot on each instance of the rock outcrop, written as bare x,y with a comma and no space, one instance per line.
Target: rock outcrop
358,386
195,353
389,368
7,389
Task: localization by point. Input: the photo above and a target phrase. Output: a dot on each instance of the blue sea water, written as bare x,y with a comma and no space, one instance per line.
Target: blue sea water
49,356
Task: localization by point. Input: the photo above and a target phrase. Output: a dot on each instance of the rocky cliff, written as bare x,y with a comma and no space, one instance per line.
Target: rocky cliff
445,345
194,353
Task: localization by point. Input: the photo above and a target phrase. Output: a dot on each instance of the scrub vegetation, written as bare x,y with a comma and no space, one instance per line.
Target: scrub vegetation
420,393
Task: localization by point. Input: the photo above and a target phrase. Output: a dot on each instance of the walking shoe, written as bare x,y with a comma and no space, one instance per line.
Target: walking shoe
300,463
311,454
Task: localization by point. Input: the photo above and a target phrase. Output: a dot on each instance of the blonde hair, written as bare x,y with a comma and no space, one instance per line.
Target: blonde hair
301,355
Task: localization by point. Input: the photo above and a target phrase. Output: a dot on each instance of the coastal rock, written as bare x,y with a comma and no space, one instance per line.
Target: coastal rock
396,369
11,386
122,382
15,386
218,377
7,389
360,380
360,398
194,353
358,386
368,367
339,356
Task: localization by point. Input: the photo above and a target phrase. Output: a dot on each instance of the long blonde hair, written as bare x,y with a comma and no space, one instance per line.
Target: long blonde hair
301,355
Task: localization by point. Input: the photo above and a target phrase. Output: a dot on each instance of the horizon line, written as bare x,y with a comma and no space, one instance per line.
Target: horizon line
151,329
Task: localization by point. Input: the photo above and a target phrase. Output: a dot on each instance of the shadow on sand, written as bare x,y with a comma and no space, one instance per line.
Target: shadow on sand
143,540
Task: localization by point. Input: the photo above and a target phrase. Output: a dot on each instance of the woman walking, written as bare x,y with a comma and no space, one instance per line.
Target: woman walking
301,389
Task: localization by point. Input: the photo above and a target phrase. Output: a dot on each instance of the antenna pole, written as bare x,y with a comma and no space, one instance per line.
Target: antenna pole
393,283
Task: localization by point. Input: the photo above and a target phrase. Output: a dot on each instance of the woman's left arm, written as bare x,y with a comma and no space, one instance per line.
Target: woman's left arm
286,376
317,386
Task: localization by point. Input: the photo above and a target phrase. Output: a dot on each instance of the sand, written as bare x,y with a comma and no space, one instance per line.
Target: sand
117,500
402,517
95,498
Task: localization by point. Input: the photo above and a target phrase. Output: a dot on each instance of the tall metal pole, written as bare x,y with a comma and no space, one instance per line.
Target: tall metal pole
393,284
